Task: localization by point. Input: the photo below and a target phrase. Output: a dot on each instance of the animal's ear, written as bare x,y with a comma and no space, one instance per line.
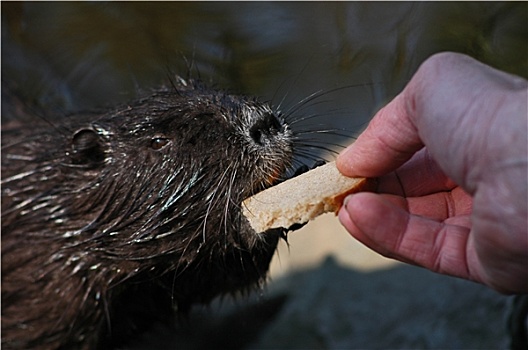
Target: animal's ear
87,148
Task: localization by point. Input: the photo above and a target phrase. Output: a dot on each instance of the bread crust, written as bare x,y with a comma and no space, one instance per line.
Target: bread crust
302,198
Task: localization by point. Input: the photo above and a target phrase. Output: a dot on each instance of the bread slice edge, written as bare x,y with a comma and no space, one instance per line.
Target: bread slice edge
302,198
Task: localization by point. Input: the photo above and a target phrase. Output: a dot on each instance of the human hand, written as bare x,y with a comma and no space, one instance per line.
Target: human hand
451,155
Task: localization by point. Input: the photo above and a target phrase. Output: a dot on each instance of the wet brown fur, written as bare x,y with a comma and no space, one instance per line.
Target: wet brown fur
114,219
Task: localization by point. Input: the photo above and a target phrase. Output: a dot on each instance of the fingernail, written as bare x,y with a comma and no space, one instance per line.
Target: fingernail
346,200
345,161
346,153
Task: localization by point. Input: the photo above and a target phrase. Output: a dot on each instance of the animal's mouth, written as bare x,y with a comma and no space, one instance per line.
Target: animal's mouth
282,173
278,176
273,177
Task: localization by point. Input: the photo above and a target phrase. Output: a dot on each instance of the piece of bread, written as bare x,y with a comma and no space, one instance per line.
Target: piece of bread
302,198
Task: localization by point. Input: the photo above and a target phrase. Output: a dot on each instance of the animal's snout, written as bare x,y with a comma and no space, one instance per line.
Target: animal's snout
265,128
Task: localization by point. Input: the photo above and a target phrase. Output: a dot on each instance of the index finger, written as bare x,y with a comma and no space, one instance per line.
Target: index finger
390,140
419,176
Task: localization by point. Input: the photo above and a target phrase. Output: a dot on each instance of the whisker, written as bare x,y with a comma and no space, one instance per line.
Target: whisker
327,132
279,106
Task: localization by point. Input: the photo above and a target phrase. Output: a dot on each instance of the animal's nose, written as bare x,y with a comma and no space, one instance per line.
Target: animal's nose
265,127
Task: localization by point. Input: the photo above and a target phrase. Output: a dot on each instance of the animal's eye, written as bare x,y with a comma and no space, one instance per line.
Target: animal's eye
159,142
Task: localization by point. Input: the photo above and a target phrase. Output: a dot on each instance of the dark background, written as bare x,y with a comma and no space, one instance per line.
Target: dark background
84,54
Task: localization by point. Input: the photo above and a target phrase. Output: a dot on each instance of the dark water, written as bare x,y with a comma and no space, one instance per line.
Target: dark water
83,54
71,56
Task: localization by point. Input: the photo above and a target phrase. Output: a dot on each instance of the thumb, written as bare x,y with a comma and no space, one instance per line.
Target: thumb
438,246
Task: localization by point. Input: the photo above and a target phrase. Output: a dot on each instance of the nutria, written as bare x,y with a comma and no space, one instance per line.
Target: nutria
114,219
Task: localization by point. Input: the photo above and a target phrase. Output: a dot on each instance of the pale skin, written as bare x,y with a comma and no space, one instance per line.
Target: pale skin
451,154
